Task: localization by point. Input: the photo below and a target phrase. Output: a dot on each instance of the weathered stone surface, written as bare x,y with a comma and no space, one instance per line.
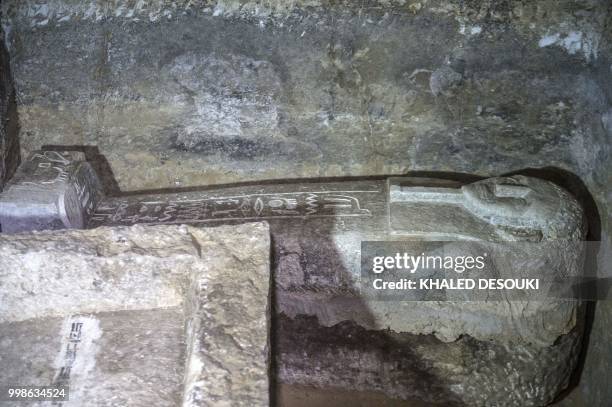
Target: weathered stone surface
47,274
112,363
228,363
466,372
160,315
300,85
516,208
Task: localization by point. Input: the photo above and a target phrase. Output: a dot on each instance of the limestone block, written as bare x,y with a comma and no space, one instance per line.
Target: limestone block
146,315
228,363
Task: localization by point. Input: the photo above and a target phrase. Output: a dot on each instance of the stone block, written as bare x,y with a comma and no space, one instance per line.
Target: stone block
140,316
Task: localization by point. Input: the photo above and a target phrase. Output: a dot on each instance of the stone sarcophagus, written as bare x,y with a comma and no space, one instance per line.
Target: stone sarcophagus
514,353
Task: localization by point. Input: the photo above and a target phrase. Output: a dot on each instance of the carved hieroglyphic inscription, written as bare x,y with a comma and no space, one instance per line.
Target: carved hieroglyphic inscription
53,168
49,168
77,356
234,207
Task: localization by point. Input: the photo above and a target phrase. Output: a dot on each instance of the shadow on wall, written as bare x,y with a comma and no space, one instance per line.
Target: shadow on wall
98,162
10,154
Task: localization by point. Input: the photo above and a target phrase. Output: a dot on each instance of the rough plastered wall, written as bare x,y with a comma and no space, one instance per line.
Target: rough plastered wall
184,93
597,383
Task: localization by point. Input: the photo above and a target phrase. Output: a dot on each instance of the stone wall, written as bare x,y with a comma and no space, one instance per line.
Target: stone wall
9,145
596,383
178,95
